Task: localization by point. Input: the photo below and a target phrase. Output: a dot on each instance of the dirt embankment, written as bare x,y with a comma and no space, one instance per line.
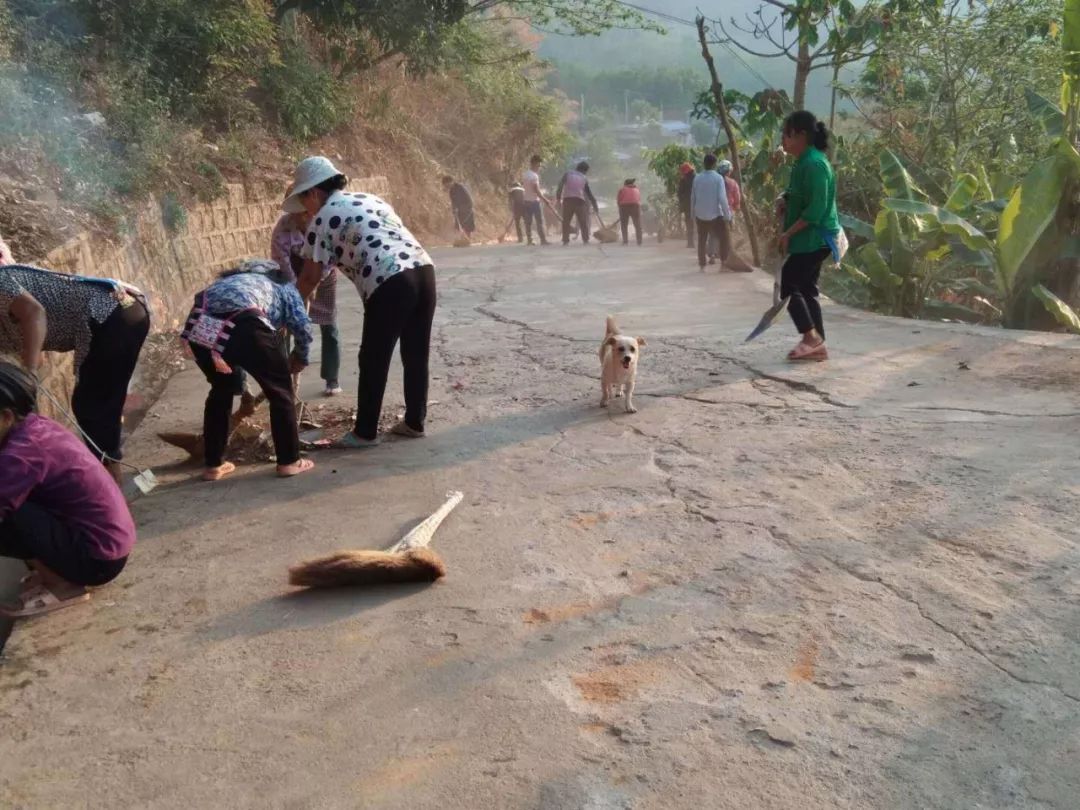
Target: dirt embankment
413,132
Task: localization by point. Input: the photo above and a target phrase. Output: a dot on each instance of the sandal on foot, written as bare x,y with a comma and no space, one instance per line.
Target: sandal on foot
350,441
806,351
217,473
41,600
289,470
403,428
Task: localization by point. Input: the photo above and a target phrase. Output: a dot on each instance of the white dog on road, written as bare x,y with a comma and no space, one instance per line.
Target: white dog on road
618,365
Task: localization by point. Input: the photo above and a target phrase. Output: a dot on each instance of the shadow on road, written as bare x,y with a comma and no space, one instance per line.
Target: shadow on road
304,609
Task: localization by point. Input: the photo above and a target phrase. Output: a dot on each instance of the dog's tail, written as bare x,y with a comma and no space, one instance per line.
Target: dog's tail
368,568
612,327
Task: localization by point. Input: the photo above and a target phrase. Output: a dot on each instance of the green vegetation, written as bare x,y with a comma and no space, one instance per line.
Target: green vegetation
959,169
112,100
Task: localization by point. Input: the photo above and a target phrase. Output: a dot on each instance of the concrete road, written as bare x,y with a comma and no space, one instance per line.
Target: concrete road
850,585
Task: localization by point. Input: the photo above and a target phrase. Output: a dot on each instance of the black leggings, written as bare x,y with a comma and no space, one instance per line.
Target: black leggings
403,307
98,400
798,282
628,212
33,533
255,348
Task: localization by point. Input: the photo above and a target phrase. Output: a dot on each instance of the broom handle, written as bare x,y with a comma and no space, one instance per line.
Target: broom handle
420,536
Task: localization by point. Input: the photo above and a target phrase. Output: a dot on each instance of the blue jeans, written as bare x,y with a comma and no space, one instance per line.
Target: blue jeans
533,211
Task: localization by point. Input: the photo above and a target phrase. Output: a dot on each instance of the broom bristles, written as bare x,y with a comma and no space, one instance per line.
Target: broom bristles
191,443
368,568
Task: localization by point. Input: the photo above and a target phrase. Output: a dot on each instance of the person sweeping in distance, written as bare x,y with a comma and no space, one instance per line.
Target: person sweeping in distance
461,206
685,193
60,510
575,197
811,227
629,202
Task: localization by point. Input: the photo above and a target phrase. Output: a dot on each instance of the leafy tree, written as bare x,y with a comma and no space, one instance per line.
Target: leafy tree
367,32
948,91
816,34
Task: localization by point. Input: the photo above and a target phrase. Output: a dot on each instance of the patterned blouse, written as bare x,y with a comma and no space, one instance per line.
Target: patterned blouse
363,236
280,305
287,241
71,304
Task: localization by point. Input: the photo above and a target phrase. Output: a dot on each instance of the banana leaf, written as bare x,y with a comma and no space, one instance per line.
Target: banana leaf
1062,312
897,180
949,222
963,193
1046,113
1032,209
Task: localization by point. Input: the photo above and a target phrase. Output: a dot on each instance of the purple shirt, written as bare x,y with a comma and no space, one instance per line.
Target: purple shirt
42,462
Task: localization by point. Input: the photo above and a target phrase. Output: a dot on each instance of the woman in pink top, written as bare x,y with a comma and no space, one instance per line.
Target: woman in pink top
60,510
629,200
286,242
734,193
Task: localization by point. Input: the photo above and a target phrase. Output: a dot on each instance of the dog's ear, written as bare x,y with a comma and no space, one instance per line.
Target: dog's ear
641,342
610,341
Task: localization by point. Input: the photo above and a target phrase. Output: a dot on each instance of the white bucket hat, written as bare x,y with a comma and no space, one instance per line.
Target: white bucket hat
309,173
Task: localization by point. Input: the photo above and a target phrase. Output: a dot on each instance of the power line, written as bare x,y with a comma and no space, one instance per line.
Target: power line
663,15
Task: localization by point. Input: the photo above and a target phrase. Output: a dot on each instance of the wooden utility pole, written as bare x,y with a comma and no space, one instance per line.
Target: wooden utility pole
733,144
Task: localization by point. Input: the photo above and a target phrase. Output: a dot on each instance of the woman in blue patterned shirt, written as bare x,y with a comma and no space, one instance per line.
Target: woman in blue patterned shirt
256,305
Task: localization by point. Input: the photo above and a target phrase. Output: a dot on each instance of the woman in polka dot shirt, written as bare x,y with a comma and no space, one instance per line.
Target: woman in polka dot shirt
364,238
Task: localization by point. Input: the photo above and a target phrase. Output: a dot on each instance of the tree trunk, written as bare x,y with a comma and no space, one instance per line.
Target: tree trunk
832,107
802,75
733,144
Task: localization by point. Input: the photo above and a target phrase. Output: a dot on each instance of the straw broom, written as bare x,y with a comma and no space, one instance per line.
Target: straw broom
605,234
408,560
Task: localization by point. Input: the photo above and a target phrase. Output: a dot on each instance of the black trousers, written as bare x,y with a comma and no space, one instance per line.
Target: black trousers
255,348
535,213
34,533
689,218
712,227
798,280
573,207
626,213
402,308
98,399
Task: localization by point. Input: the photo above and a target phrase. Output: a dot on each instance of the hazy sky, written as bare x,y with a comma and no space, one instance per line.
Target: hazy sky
679,48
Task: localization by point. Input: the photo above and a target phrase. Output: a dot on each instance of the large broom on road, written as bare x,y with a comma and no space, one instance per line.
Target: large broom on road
408,560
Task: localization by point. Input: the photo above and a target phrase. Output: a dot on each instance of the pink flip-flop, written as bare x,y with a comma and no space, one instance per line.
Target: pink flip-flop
289,470
806,352
217,473
40,600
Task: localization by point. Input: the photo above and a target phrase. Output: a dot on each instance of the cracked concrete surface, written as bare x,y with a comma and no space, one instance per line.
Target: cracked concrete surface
848,585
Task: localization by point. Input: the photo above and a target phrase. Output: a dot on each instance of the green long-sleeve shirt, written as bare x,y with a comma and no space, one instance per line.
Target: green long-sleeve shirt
811,196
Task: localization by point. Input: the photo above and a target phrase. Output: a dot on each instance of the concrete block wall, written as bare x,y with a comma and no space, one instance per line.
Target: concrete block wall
171,268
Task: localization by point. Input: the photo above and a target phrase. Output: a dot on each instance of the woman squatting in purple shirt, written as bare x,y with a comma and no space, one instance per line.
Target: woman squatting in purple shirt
60,510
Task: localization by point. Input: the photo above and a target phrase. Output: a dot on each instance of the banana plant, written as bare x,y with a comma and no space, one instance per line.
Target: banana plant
1028,234
908,257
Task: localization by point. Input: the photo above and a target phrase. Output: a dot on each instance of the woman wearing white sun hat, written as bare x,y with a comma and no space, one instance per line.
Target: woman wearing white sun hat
362,236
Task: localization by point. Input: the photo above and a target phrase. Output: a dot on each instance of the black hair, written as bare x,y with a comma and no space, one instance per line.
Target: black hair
710,161
583,167
335,183
805,121
18,390
447,179
535,159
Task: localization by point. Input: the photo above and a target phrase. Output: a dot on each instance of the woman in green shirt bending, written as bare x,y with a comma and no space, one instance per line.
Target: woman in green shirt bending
811,225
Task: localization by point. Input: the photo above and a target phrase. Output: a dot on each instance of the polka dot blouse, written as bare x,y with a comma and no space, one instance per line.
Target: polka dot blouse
364,237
